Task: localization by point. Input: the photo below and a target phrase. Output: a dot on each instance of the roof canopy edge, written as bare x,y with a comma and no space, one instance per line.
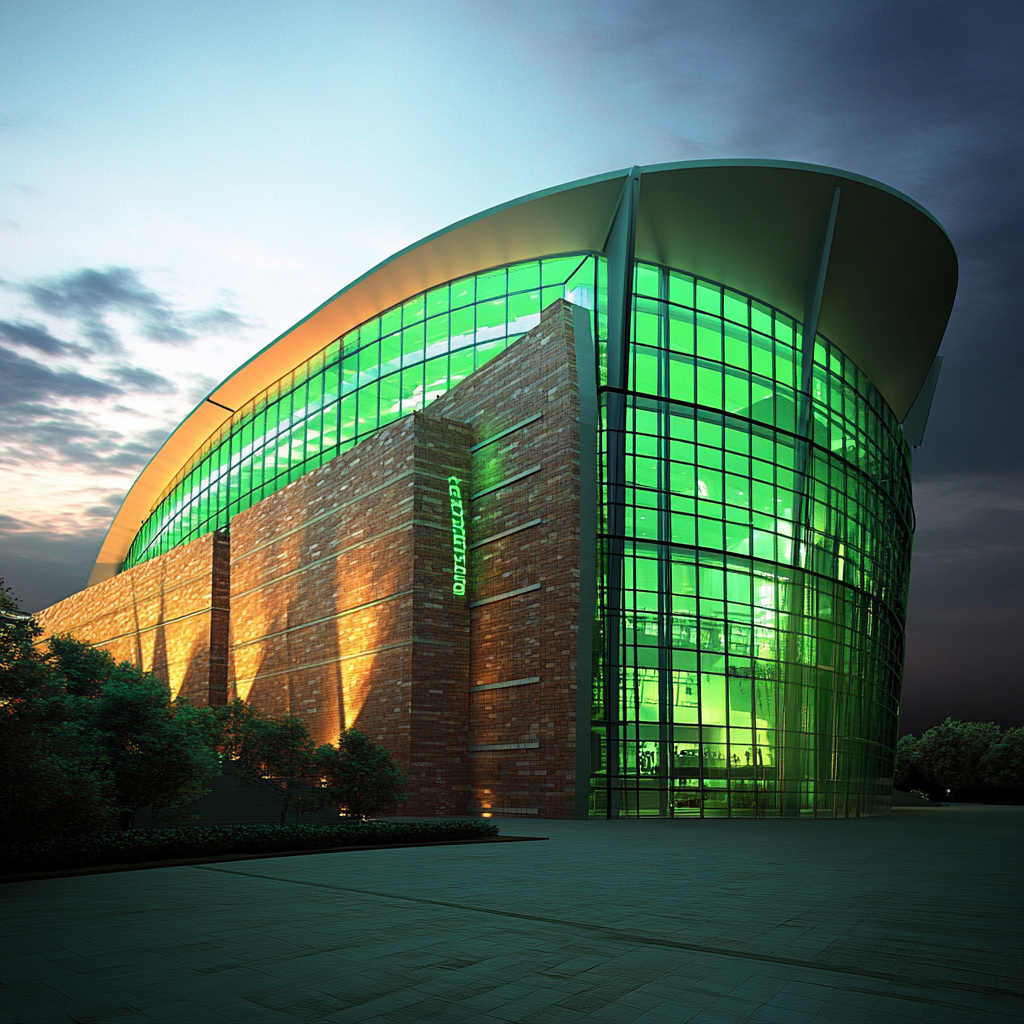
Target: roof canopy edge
753,225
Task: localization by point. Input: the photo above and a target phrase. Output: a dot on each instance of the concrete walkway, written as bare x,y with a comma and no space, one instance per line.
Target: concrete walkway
915,917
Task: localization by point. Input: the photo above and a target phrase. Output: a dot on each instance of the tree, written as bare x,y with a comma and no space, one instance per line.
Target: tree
85,741
24,674
53,772
158,751
277,752
84,668
359,776
1002,767
235,729
907,772
949,758
963,761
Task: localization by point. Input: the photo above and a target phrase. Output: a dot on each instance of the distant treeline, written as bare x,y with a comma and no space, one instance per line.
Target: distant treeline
969,762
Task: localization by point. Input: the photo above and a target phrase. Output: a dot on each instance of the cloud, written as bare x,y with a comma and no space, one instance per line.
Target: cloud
200,387
89,298
25,380
958,501
45,566
967,546
136,379
965,607
35,433
107,508
38,338
216,321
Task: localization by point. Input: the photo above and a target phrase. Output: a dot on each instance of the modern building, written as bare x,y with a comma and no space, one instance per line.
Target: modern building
596,503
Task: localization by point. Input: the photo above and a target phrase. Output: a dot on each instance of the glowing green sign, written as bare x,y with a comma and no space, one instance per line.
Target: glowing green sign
458,536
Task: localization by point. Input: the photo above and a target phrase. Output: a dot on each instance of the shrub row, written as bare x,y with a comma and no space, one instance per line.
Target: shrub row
141,845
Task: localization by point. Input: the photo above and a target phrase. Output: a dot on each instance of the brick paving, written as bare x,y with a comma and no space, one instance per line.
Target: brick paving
915,917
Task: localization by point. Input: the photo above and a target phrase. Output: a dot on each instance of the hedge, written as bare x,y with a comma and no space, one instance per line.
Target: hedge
147,844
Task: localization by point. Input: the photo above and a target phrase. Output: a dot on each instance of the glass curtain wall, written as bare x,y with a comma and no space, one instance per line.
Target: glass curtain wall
767,555
386,368
767,535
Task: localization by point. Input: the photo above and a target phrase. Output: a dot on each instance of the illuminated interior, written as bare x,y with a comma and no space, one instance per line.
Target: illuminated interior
765,577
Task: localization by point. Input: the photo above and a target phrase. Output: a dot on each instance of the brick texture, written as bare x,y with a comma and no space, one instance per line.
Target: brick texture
343,604
168,616
343,611
532,635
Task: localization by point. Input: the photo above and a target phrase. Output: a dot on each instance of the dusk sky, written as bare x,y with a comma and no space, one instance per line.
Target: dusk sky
183,181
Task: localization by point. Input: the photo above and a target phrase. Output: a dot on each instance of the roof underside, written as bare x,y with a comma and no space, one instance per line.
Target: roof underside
755,226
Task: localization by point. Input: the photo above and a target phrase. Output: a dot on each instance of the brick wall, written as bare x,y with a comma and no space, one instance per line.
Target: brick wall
524,586
343,609
342,604
168,616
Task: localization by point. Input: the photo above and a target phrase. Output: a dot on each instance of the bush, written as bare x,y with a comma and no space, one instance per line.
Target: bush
84,741
359,776
53,771
273,753
139,845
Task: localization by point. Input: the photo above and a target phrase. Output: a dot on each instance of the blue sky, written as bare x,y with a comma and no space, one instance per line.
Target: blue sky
182,181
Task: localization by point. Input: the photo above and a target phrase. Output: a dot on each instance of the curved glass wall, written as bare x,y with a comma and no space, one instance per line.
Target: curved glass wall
387,367
756,666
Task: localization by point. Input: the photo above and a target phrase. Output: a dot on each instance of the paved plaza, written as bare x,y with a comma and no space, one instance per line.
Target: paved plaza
914,917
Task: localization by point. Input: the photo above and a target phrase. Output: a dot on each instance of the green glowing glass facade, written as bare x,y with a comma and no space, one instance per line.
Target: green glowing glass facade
754,521
386,368
756,665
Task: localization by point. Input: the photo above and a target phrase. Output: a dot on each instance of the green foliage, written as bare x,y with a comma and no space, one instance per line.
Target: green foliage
906,774
963,761
85,741
141,845
281,748
158,753
359,776
23,673
83,668
276,754
53,779
1002,765
235,726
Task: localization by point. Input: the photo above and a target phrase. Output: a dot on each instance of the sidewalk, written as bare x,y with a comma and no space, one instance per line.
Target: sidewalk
914,917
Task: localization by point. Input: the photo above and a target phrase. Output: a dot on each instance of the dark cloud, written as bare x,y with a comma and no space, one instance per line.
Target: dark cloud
966,605
107,508
43,566
135,379
34,432
37,338
88,297
216,321
25,380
